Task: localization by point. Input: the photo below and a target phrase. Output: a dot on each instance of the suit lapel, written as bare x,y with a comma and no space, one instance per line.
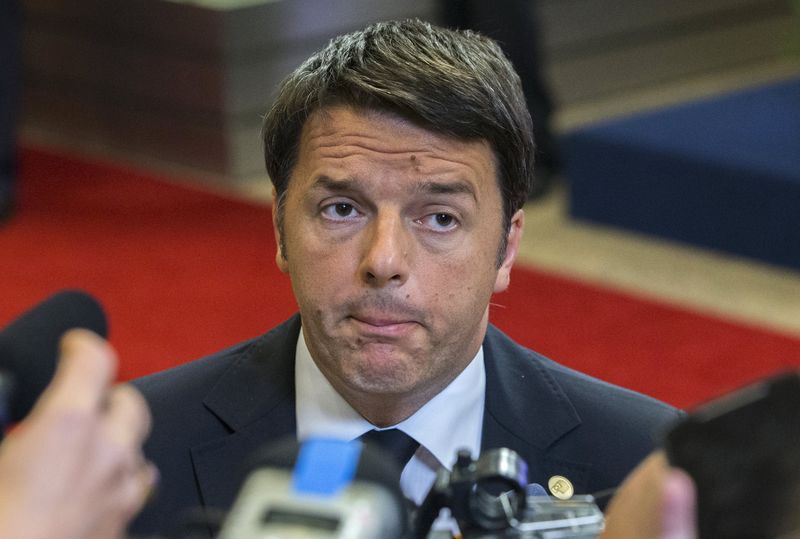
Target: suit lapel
255,399
527,411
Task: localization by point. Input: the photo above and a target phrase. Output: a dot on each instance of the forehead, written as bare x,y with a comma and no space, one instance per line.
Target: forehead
346,137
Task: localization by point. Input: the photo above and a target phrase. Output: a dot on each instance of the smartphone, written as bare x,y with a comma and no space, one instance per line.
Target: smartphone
743,452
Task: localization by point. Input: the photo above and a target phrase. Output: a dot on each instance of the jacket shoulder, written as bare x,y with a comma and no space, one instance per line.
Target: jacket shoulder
203,402
600,426
194,378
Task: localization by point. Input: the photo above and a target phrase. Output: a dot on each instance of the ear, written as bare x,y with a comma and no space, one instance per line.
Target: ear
512,248
280,260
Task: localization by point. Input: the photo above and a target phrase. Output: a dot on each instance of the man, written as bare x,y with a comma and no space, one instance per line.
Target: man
515,25
401,157
74,467
656,501
703,483
9,88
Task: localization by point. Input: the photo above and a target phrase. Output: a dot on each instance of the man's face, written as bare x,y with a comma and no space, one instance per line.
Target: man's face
391,234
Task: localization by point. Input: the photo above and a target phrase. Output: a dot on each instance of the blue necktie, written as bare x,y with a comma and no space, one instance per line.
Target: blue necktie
394,442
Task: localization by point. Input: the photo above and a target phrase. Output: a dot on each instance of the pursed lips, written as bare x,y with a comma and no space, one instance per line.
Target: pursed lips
382,325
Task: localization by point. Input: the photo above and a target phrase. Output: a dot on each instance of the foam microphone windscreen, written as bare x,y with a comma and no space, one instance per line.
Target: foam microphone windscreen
374,466
29,344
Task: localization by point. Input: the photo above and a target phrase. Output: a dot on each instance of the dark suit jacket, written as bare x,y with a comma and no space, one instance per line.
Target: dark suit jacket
212,414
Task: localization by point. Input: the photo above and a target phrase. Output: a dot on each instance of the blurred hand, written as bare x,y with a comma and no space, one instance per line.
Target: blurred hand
656,501
74,467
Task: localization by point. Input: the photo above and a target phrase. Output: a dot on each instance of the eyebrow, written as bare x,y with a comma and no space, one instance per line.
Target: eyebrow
429,187
436,187
336,186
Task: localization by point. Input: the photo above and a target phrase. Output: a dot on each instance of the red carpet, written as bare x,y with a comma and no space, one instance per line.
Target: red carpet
182,273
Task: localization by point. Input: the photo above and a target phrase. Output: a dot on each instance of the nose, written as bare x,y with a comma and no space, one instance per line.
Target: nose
384,260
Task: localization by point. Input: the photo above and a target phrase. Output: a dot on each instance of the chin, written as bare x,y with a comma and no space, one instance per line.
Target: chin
383,378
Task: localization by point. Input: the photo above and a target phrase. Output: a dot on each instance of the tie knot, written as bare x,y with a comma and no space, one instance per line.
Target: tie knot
393,441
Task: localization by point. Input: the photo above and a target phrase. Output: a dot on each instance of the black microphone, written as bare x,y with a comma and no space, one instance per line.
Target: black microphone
29,345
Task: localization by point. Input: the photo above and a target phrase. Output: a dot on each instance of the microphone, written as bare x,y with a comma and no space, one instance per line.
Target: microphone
491,498
533,490
322,488
29,345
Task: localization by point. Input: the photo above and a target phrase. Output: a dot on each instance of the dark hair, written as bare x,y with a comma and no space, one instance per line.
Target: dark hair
456,83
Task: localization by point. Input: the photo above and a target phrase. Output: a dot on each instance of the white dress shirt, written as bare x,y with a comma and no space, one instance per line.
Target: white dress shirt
450,421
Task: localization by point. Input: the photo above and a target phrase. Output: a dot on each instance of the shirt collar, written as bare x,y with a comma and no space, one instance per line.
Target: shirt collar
450,421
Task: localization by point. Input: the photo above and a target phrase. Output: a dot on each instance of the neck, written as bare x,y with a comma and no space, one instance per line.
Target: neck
386,410
386,406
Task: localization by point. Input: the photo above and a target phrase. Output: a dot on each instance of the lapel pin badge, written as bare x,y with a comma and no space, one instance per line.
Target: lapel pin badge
560,487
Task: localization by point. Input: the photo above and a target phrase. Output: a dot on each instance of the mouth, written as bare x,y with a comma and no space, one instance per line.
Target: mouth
383,325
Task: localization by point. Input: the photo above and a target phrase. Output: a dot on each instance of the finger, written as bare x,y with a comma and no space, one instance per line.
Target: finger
635,510
86,368
136,490
128,497
679,506
127,418
148,478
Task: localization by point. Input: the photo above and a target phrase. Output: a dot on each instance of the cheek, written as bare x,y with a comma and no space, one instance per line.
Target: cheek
460,287
318,273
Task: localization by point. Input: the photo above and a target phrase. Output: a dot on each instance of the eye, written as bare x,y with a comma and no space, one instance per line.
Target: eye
340,211
444,220
440,222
